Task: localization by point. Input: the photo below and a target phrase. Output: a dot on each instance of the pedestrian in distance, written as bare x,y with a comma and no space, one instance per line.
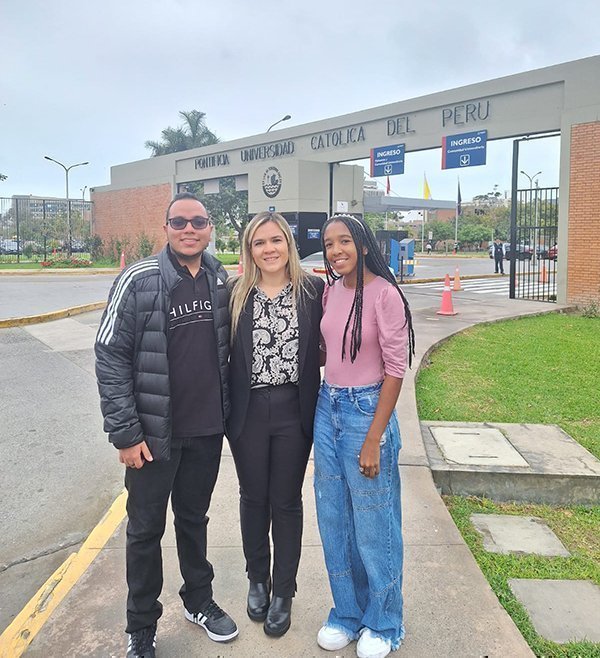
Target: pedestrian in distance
162,354
498,256
274,380
368,339
428,247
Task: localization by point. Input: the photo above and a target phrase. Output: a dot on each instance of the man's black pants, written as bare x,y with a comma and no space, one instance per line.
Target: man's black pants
499,265
270,458
189,477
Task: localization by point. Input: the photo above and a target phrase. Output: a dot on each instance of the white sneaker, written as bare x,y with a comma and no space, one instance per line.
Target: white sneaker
370,646
332,639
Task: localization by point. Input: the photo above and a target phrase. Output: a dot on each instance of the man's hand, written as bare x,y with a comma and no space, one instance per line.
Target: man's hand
136,456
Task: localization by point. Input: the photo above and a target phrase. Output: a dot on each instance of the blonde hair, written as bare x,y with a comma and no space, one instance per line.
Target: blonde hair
251,276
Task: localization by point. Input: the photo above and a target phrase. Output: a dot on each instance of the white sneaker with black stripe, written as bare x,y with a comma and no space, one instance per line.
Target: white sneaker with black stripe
219,626
142,643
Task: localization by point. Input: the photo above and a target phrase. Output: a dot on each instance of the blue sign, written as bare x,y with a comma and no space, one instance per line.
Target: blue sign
464,150
387,160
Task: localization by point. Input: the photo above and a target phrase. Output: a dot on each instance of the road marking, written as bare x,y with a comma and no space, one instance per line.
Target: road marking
27,624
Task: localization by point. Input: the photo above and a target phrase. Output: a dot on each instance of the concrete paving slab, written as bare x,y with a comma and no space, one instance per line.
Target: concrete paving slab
503,533
559,471
484,446
561,610
63,335
425,519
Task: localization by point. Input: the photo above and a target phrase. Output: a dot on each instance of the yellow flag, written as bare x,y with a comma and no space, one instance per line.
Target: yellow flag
426,190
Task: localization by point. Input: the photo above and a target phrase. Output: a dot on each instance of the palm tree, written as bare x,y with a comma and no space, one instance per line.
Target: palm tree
192,134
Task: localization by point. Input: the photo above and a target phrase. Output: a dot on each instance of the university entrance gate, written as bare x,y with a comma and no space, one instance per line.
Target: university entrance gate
300,171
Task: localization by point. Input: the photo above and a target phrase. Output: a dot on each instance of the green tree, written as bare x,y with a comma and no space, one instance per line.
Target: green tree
228,209
441,230
192,134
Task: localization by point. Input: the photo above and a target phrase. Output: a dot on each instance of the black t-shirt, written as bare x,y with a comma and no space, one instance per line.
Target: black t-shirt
196,408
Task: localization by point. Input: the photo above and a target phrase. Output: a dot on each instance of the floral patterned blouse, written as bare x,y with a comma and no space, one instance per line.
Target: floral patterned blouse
274,339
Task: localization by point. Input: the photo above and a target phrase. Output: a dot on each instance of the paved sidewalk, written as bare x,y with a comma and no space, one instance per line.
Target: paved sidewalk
450,610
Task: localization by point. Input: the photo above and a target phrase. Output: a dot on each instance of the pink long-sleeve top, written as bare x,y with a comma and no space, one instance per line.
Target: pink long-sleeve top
384,344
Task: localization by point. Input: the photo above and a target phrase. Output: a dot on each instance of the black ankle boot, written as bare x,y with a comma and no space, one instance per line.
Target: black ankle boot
258,600
279,617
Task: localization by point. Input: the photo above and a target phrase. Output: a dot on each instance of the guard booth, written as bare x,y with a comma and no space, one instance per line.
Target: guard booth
402,257
406,250
306,228
388,242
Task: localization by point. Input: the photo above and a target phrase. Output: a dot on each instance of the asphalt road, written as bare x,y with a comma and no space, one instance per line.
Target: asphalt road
22,295
42,293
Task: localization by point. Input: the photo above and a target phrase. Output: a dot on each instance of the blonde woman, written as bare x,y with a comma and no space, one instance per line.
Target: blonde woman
274,382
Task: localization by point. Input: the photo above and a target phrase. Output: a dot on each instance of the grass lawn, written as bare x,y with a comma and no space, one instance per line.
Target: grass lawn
576,527
229,259
543,369
20,266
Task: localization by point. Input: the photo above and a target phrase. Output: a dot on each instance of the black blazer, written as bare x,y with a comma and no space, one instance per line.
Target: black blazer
240,364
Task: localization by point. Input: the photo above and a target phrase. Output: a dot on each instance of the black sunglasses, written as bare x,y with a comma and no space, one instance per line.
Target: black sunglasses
179,223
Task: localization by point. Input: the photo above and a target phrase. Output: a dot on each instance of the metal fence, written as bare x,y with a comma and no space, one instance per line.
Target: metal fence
36,229
534,244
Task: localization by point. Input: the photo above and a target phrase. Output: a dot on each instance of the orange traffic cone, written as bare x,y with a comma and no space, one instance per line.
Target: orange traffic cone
544,274
446,308
122,260
456,287
240,268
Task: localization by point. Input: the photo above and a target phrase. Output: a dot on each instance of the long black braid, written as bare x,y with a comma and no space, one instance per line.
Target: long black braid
363,237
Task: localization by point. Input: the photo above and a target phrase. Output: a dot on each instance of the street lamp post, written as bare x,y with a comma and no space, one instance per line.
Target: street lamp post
83,189
285,118
67,169
535,226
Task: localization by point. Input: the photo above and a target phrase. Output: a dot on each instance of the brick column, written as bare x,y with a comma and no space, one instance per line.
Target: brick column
583,283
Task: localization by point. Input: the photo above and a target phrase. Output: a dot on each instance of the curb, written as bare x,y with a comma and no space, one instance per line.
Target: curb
53,315
62,270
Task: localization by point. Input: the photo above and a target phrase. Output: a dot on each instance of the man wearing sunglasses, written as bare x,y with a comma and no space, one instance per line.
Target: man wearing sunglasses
161,362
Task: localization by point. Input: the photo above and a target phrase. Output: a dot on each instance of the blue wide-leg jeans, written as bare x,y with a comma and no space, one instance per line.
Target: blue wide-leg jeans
359,518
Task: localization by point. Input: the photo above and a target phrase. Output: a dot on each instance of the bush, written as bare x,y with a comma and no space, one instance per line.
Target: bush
145,246
94,246
117,246
66,262
591,310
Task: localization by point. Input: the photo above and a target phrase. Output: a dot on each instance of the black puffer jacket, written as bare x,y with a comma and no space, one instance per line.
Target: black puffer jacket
131,351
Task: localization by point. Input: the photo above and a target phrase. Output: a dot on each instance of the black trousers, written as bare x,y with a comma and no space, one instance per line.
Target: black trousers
499,265
270,458
189,477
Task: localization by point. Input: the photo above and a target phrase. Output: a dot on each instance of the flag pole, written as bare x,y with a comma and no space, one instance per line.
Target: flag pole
457,211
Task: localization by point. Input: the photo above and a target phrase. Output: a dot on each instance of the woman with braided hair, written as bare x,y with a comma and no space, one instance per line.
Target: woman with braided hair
367,339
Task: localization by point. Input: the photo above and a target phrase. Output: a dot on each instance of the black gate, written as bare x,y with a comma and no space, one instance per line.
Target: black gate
533,250
33,228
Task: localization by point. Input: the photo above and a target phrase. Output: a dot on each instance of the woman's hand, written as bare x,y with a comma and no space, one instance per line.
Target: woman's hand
368,459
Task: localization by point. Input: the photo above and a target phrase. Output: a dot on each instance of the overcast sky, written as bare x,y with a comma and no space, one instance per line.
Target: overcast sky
93,80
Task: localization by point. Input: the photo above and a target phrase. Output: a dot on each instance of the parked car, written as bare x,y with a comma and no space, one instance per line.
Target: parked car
553,252
9,247
312,262
522,252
